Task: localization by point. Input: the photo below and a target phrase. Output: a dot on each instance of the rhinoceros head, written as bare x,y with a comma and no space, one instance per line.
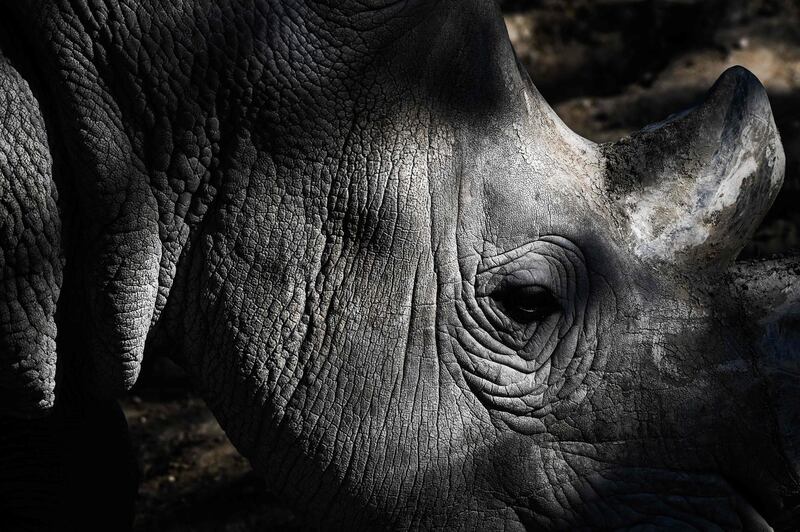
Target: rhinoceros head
412,296
424,301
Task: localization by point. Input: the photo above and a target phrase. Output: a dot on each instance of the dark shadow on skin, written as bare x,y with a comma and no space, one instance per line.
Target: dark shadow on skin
72,470
80,469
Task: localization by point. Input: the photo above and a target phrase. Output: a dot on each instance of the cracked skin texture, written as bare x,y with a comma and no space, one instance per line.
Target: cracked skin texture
412,297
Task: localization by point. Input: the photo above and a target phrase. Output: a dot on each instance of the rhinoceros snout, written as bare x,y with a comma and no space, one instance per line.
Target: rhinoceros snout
769,294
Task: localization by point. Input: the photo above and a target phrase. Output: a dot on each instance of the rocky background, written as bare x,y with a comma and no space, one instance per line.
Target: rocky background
608,67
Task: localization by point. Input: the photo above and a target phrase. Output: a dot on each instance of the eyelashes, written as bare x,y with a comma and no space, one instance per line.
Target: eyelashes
527,303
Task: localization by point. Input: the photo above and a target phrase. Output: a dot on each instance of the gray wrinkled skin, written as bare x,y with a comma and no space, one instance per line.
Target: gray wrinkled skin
410,294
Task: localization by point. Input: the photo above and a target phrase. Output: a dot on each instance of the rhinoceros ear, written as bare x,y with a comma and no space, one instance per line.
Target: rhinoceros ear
695,187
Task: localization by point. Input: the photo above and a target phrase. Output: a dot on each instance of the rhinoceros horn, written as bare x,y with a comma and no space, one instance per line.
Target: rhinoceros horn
695,187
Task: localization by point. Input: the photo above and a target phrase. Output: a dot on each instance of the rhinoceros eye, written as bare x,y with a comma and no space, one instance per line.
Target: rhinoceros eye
527,304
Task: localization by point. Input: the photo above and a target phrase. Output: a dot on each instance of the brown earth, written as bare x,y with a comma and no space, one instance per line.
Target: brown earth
608,67
191,476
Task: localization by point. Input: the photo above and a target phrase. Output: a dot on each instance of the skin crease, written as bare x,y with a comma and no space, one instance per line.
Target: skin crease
328,211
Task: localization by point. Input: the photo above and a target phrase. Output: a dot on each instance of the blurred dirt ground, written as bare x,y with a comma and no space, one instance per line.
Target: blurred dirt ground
191,476
608,67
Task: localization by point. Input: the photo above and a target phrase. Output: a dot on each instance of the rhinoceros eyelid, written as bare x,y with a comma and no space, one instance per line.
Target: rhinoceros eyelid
526,303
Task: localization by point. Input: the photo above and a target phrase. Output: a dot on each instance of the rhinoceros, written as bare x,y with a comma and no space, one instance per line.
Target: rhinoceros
413,297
